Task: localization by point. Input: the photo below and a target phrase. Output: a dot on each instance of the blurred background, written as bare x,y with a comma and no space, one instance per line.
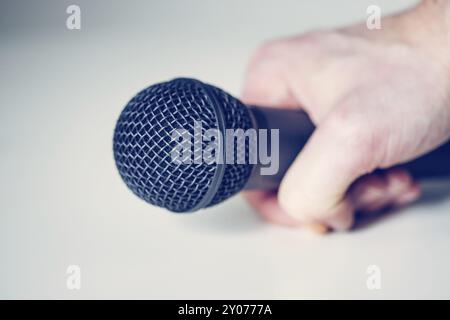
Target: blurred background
63,203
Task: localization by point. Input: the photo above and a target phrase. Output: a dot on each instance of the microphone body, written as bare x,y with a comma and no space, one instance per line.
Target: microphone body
295,128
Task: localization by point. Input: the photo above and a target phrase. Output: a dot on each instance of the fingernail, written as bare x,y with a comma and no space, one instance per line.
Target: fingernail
318,228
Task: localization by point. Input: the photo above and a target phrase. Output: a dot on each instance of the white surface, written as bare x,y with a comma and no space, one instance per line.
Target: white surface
63,203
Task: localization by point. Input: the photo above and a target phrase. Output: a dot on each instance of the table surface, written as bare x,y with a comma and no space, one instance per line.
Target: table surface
63,203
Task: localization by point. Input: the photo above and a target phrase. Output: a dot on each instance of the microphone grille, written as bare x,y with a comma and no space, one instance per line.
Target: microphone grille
143,144
236,175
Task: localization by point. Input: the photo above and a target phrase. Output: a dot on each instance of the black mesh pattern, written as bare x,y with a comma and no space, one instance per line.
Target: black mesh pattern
236,175
143,144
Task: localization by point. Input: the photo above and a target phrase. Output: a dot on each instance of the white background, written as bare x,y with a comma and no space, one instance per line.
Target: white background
62,201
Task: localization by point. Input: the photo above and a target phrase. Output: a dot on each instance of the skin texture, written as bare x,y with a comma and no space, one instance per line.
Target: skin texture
379,98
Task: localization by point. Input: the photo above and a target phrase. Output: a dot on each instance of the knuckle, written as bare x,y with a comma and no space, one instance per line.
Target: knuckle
354,133
272,47
269,51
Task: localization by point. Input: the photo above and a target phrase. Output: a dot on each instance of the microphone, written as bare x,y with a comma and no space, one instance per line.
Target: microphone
150,128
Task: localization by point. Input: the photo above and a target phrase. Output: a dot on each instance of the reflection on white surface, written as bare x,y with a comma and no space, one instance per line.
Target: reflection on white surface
63,203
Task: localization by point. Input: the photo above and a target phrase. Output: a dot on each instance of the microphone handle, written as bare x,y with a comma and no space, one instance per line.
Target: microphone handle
295,128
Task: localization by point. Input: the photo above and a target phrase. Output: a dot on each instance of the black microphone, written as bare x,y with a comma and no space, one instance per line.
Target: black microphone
144,145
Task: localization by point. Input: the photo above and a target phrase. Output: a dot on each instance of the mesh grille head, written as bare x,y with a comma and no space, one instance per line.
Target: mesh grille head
143,144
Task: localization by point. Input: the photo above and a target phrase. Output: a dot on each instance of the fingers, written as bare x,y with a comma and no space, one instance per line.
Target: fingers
314,187
341,217
266,204
265,85
372,193
265,82
392,188
409,197
341,150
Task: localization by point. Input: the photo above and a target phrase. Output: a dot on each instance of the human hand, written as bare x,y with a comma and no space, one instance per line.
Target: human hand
378,99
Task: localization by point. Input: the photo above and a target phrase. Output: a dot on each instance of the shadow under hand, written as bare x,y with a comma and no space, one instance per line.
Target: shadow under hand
235,216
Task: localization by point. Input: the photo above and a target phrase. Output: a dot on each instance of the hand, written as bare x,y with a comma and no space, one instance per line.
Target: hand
378,99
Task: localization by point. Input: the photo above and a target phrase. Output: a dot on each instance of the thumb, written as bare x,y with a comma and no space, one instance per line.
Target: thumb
314,188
